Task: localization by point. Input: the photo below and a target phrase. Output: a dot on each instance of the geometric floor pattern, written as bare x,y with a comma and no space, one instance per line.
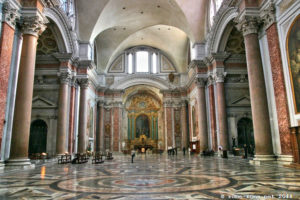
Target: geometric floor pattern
153,177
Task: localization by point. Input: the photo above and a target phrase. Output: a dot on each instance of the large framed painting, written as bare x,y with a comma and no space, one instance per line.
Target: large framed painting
142,126
293,51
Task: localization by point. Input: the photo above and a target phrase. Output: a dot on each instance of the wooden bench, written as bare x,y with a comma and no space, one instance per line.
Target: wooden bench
97,159
80,158
63,159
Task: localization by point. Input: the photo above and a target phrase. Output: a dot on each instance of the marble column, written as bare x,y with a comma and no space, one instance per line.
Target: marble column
84,84
222,115
168,124
283,117
10,16
259,103
185,138
31,28
212,111
100,132
62,113
117,121
202,116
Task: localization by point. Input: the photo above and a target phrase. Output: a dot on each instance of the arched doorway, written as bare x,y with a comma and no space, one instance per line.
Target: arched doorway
245,134
38,137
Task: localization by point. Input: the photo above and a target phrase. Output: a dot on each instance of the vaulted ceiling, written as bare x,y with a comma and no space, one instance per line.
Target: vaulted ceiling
164,24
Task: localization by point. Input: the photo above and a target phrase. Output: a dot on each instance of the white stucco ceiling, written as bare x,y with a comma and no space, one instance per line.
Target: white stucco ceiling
119,24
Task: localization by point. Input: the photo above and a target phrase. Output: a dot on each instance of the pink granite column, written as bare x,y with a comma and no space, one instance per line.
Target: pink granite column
212,111
31,27
117,127
202,115
84,84
62,113
6,49
222,115
259,103
168,124
278,81
72,116
100,132
184,125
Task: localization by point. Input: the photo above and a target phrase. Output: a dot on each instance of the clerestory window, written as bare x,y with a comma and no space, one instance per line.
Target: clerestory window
142,61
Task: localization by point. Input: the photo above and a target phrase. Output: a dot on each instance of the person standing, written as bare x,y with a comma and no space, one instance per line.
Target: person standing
246,151
183,149
132,155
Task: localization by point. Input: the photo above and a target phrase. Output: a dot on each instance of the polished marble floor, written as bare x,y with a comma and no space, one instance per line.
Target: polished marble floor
153,177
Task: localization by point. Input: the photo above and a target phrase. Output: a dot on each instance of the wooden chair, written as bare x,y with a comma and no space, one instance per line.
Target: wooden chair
63,159
109,156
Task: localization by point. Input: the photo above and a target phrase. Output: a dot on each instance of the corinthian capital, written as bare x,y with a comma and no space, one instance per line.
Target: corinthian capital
268,16
200,81
84,83
33,25
248,24
10,14
219,77
210,80
65,77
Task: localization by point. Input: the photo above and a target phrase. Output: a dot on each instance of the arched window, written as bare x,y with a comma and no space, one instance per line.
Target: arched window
142,59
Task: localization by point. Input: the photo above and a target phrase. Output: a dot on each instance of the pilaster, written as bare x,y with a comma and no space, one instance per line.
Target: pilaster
269,24
10,17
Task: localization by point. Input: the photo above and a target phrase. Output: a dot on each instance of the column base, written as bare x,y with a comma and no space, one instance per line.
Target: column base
258,159
2,165
19,163
285,159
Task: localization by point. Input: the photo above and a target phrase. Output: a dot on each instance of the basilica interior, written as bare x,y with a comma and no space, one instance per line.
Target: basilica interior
204,93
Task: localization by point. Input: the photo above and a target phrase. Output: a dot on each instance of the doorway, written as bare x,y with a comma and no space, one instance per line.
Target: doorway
246,135
38,137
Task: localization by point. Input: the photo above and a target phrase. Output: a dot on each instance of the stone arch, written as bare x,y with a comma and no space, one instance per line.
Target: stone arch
64,27
220,28
134,80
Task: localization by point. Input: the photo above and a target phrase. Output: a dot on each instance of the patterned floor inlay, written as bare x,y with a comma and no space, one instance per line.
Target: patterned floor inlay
153,177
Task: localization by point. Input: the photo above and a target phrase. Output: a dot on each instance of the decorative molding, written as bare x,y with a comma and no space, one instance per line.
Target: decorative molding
268,16
218,57
10,14
33,25
41,102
